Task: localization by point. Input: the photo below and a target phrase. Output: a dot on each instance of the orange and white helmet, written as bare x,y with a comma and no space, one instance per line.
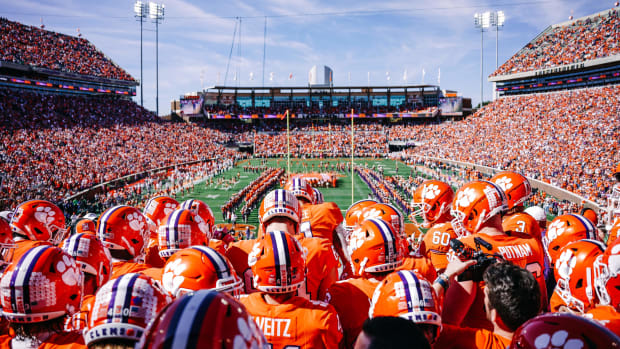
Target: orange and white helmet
200,208
200,268
181,229
574,272
391,215
607,276
301,189
474,203
354,212
565,229
516,186
91,256
278,263
431,200
407,295
279,203
7,245
374,248
43,284
124,307
39,220
123,228
156,209
204,319
86,225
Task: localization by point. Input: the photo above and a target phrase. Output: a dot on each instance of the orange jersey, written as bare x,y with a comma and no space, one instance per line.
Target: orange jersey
607,316
462,337
321,220
556,302
79,321
321,267
351,298
23,246
237,253
63,340
519,249
154,273
521,222
421,265
296,323
436,244
121,268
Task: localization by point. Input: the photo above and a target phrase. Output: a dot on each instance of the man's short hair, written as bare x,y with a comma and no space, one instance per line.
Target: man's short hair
387,332
513,293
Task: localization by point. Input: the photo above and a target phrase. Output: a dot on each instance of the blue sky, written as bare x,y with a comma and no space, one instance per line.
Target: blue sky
353,37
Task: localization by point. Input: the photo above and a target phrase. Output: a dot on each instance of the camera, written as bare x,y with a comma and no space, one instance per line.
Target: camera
483,260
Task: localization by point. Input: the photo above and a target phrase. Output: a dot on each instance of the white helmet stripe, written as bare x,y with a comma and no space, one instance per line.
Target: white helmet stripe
221,267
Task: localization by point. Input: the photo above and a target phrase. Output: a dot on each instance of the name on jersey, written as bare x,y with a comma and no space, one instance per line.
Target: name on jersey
274,327
515,251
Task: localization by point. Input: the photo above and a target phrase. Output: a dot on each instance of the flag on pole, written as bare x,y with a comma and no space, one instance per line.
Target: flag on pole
252,76
387,75
271,76
290,76
405,75
235,77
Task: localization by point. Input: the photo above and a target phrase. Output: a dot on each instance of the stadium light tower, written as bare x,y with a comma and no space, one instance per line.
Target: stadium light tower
156,13
497,21
140,10
482,21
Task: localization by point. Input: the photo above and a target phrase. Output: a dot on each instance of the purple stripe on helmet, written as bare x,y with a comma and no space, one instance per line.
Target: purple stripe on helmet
31,256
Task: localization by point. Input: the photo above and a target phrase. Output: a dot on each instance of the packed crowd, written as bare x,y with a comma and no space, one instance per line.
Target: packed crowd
55,146
487,272
29,45
579,41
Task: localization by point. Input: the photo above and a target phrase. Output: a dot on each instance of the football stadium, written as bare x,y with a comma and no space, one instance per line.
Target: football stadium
309,214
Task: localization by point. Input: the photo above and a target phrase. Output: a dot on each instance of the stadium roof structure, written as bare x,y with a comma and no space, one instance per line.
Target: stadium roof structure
365,88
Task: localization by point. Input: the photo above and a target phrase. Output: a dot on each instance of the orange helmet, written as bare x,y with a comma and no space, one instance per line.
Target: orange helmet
7,245
318,196
516,186
124,307
278,263
590,214
431,200
197,268
474,203
565,229
408,295
574,272
279,203
43,284
391,215
300,188
352,216
85,225
563,330
607,276
156,209
181,229
203,210
374,248
204,319
39,220
123,228
91,256
613,233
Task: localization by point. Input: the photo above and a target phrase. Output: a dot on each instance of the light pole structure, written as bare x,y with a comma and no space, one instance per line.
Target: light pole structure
156,14
140,10
482,21
497,21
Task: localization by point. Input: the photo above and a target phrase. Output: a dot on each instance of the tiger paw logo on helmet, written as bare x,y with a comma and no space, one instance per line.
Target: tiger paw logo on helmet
566,263
504,182
372,213
466,197
44,214
556,229
431,191
558,340
357,239
71,275
136,221
172,278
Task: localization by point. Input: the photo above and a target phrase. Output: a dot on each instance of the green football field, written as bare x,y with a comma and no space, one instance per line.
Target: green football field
215,195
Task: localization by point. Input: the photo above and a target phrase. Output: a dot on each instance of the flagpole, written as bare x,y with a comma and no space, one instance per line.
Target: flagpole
352,148
288,145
